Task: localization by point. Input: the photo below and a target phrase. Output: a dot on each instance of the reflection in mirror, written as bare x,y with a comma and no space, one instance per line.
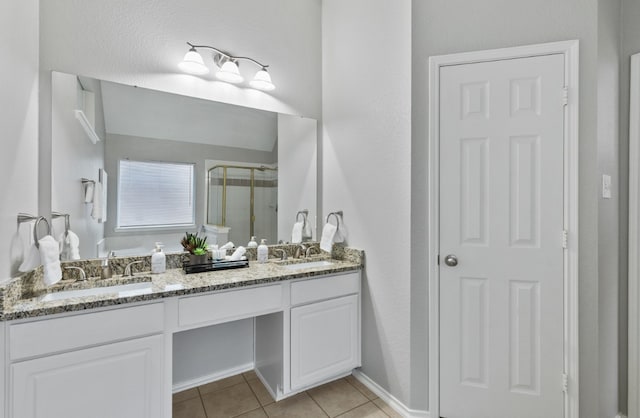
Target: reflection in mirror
243,200
277,153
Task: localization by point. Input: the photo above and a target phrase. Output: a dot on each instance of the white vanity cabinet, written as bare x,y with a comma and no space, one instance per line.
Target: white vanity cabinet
102,364
325,329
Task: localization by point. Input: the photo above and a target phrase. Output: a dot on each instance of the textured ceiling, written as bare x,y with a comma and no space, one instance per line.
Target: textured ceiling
141,42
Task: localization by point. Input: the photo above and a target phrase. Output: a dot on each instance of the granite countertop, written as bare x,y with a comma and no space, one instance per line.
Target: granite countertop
174,282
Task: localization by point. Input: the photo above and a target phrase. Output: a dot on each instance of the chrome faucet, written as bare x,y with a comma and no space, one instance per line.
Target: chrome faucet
309,250
105,272
283,253
83,275
300,251
128,270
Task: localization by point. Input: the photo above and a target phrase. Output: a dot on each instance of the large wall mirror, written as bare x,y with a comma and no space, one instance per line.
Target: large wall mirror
133,166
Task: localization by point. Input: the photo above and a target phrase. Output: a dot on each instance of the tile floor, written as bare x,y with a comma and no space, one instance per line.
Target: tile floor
245,396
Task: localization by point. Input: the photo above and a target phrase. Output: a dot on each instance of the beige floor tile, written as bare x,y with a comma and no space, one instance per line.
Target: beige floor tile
386,408
191,408
300,405
256,413
230,402
264,397
368,410
337,397
185,395
221,384
361,387
250,375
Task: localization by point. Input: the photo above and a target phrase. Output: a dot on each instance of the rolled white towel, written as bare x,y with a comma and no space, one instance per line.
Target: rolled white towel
229,245
238,253
296,233
49,256
328,232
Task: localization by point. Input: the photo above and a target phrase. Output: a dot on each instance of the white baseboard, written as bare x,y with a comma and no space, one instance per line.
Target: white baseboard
180,386
388,398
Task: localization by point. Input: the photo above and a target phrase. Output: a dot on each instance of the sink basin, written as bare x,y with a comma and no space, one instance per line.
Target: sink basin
308,265
123,290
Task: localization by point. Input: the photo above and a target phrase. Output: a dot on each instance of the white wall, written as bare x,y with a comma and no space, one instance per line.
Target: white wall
18,123
630,44
366,167
297,172
608,209
75,157
442,28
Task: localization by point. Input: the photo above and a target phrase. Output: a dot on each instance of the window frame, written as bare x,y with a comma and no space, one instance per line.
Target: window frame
166,227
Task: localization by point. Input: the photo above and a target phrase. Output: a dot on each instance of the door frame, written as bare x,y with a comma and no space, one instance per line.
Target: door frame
634,238
570,50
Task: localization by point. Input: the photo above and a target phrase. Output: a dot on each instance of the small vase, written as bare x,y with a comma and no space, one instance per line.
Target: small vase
198,259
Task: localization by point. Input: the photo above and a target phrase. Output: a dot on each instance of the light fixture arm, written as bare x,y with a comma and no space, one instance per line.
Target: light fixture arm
227,55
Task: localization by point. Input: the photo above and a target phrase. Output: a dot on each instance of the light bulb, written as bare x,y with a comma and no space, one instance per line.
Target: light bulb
262,81
193,63
230,73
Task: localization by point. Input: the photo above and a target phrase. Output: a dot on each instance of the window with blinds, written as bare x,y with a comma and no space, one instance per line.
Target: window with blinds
155,194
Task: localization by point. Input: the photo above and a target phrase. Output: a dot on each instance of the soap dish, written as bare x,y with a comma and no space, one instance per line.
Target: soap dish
214,266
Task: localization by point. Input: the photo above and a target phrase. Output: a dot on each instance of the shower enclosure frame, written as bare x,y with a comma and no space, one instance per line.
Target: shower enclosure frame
225,167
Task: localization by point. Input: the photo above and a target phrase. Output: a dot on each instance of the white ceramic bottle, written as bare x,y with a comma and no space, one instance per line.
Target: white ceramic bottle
263,251
158,260
252,243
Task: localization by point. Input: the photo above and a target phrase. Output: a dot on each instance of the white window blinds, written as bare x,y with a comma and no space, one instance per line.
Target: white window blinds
155,194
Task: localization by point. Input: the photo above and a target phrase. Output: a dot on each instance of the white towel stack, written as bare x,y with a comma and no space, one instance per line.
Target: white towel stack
328,234
296,233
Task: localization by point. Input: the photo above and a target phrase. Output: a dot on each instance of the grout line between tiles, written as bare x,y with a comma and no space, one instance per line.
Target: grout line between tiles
316,402
255,395
361,392
202,403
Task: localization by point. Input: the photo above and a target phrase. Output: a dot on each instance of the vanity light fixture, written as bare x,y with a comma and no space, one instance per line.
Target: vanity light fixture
227,67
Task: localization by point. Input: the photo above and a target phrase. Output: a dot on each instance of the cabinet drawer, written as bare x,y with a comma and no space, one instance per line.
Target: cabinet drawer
231,305
46,336
325,288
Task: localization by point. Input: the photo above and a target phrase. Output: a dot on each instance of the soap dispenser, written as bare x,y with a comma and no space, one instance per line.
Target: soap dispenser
252,243
158,260
263,251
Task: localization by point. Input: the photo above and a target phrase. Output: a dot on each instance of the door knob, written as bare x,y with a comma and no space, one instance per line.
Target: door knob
451,260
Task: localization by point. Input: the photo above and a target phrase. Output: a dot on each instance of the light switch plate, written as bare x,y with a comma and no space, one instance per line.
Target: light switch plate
606,186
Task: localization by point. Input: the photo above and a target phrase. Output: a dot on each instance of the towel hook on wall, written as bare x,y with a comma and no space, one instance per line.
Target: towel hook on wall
36,238
338,215
67,221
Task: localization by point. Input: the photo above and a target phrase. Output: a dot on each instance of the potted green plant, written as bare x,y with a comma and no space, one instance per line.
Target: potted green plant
196,247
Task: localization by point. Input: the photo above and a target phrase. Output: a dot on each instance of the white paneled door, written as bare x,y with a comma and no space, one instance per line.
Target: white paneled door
501,238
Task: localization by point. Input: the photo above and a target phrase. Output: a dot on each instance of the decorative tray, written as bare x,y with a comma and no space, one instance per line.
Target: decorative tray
214,265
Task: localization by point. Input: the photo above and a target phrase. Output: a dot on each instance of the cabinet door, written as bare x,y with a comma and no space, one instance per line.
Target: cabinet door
325,340
119,380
